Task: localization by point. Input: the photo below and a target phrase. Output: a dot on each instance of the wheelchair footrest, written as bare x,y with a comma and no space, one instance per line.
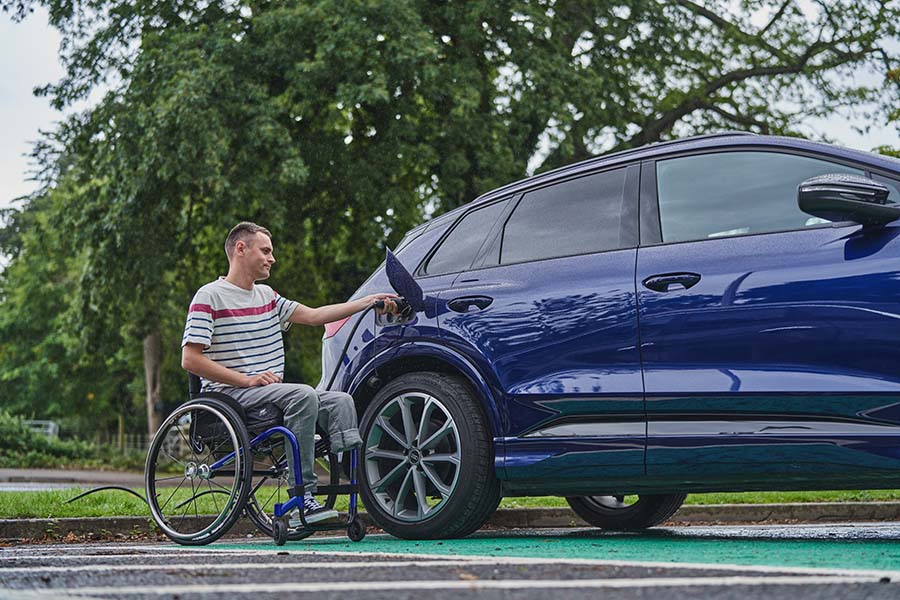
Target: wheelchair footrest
337,489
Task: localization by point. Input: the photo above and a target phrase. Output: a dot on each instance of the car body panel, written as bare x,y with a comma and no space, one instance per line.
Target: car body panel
798,329
369,341
582,312
774,363
411,348
730,405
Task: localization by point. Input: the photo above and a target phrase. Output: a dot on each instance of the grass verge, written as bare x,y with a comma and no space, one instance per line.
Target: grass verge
51,503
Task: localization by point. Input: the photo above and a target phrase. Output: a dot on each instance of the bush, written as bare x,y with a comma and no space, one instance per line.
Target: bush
20,447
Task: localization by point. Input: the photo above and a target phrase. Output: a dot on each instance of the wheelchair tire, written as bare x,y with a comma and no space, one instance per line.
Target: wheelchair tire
280,531
183,463
356,531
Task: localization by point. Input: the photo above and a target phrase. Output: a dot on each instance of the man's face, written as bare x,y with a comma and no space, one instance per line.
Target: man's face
258,256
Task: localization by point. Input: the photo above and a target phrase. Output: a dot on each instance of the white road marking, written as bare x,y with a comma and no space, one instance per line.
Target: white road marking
506,584
894,575
246,566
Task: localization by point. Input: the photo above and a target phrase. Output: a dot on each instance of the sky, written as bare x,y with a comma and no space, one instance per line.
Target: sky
28,59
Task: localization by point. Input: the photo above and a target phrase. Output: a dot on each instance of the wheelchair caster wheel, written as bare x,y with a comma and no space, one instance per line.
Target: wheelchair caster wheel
356,531
280,531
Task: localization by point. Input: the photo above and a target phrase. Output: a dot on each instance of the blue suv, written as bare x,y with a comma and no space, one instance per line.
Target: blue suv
719,313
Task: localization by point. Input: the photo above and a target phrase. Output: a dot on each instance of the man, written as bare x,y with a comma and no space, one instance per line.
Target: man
232,340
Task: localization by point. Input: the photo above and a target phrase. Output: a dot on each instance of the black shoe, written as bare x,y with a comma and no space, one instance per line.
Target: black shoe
313,512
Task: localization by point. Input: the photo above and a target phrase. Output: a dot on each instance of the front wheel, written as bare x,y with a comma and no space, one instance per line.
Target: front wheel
280,531
427,465
356,531
626,512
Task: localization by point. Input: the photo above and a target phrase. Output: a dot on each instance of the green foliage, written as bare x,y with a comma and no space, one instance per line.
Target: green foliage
22,448
888,151
339,125
51,503
46,373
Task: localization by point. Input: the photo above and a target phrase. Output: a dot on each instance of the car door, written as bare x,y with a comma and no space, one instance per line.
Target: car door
457,249
549,313
769,338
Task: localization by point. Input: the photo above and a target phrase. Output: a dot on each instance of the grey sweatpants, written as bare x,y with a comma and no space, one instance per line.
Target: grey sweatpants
303,407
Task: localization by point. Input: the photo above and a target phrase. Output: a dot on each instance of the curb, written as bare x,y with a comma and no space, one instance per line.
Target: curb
719,514
20,530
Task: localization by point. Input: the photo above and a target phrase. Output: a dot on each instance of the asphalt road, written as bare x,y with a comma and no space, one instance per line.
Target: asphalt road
821,562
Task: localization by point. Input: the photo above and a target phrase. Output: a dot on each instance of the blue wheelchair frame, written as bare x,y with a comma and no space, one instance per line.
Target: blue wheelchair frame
244,454
296,500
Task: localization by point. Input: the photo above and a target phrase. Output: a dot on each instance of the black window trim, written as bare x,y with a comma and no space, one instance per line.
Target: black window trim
628,224
420,273
651,226
495,231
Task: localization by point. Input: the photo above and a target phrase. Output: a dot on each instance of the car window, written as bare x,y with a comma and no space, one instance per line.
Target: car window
458,249
574,217
892,185
735,193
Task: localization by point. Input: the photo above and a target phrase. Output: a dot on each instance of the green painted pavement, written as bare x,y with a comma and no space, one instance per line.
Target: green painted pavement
657,546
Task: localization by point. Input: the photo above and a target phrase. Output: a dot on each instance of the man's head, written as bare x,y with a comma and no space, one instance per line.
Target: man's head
249,249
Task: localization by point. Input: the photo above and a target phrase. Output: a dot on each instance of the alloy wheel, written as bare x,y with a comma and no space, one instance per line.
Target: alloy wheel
412,456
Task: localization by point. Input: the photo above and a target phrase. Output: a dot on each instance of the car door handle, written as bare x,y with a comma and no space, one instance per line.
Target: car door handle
670,282
469,303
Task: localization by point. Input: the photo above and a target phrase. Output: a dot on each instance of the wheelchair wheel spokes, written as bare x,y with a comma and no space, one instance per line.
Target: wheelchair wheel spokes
271,486
200,494
197,478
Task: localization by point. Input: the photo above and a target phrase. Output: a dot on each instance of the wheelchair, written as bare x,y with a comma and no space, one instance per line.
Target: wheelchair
211,461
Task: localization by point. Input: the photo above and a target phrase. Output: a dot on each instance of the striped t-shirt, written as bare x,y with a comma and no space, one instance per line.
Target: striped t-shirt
239,329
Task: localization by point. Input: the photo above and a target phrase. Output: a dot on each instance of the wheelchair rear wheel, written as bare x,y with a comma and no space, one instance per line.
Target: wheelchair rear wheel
197,474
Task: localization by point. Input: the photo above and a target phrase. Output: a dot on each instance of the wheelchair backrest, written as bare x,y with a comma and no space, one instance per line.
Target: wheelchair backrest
207,431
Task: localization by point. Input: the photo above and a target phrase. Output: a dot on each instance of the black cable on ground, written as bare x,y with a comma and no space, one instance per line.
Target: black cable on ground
106,487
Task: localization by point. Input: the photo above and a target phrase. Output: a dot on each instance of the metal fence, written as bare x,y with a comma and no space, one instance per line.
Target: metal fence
48,428
130,442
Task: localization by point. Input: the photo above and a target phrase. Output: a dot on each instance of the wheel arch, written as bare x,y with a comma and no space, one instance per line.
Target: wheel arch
412,358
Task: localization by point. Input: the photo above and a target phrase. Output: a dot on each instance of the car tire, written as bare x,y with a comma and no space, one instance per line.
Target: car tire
427,463
609,512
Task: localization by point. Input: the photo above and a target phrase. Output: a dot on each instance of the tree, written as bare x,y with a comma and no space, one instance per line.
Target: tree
46,372
338,124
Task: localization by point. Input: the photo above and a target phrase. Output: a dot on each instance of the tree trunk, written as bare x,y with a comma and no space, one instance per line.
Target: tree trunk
153,377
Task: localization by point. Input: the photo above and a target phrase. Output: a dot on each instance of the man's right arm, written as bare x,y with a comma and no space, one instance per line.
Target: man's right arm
193,360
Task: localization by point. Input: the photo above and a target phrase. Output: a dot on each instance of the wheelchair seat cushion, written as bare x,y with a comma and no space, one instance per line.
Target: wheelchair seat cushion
262,417
257,419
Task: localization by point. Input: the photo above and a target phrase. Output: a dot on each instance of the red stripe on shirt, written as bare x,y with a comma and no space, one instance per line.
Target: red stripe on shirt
232,312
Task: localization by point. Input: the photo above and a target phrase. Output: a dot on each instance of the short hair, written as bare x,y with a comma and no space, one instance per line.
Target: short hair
243,231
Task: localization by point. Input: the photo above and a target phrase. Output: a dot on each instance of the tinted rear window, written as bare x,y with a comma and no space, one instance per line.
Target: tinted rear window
458,249
580,216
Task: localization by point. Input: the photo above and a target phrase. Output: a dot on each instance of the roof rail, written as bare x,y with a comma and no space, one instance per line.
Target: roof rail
705,136
626,152
693,138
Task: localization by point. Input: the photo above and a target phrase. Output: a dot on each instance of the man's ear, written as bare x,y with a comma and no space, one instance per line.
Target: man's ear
240,246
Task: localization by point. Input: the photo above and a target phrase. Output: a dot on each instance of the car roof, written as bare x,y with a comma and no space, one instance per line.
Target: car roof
741,139
714,140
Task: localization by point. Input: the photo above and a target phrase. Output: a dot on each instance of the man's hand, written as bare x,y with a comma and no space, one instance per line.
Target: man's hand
262,379
389,300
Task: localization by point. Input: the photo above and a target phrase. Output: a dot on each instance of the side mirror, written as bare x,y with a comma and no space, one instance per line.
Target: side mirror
843,197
